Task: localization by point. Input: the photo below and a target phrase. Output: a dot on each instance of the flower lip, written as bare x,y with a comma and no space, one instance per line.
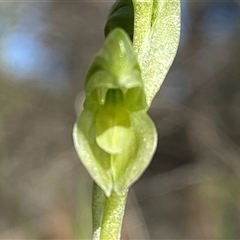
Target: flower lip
112,123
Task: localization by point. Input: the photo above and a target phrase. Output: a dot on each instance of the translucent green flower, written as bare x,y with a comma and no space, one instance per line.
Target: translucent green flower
114,137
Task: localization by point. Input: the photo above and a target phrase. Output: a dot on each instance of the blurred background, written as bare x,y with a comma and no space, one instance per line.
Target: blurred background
191,190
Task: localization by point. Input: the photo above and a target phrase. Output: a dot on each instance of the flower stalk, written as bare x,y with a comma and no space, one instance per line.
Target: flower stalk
114,136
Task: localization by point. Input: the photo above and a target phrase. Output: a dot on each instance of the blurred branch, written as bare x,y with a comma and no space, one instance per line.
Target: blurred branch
174,180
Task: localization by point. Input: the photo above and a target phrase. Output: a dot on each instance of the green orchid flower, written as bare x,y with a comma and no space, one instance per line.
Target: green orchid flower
114,136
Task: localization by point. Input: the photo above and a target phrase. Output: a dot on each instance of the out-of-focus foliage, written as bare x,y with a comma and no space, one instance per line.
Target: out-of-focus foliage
191,189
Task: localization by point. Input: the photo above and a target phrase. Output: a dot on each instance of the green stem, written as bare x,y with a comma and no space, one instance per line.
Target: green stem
107,214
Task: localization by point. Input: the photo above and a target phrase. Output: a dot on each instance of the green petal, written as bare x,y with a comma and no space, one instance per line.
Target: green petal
118,60
128,166
96,161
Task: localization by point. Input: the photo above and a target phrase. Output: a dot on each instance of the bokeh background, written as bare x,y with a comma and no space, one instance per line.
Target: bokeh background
191,190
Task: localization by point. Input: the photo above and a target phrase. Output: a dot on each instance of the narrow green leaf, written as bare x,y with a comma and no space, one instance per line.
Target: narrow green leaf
142,22
121,16
159,45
